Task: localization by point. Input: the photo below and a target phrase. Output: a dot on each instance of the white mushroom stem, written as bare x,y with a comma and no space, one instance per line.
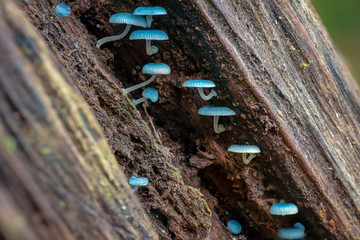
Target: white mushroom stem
140,100
150,50
100,42
213,93
148,21
135,188
127,90
218,128
247,159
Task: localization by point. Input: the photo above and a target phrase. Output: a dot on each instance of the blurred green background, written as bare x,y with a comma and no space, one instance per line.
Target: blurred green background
342,20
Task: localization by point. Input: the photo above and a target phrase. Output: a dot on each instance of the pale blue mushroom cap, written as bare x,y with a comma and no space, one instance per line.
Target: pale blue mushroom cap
62,10
234,226
128,18
244,149
145,11
156,68
151,93
296,232
215,111
199,83
284,209
148,35
138,181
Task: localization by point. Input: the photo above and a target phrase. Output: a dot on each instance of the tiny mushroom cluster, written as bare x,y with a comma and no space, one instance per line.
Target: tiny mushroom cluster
248,151
283,209
136,19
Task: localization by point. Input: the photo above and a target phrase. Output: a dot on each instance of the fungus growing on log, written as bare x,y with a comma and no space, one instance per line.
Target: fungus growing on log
234,226
138,182
245,150
149,12
200,84
216,112
148,93
62,10
296,232
150,68
148,36
127,18
282,208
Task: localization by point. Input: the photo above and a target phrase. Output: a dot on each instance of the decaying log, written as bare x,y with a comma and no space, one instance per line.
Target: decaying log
272,63
58,177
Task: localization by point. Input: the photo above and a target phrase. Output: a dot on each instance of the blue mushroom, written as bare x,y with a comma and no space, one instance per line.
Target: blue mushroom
149,12
216,112
62,10
149,35
200,84
148,93
122,18
245,150
138,181
283,208
296,232
234,226
150,68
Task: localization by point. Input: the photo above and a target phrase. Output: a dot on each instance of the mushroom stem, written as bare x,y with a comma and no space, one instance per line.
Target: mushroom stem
218,128
140,100
148,21
247,159
127,90
101,41
208,97
135,188
150,50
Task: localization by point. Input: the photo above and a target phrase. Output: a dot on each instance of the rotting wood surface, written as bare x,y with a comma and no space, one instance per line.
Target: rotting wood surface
58,177
274,64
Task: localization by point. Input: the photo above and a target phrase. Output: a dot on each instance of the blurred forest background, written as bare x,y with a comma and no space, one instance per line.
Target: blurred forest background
342,20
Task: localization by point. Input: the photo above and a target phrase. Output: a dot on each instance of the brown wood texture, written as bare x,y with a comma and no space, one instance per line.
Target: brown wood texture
58,177
272,63
291,67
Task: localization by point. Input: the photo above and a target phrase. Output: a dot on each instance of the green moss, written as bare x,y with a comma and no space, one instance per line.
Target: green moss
9,143
306,65
46,150
62,204
176,173
206,206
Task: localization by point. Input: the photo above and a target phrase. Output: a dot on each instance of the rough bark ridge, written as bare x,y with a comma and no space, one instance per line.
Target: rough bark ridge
273,64
58,177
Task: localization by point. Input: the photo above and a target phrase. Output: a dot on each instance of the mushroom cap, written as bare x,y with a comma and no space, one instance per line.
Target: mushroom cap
199,83
284,209
151,93
244,149
300,226
62,10
292,232
148,35
138,181
128,18
150,11
156,68
215,111
234,226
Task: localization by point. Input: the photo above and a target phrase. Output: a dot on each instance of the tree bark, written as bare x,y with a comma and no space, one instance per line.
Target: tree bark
272,63
58,177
